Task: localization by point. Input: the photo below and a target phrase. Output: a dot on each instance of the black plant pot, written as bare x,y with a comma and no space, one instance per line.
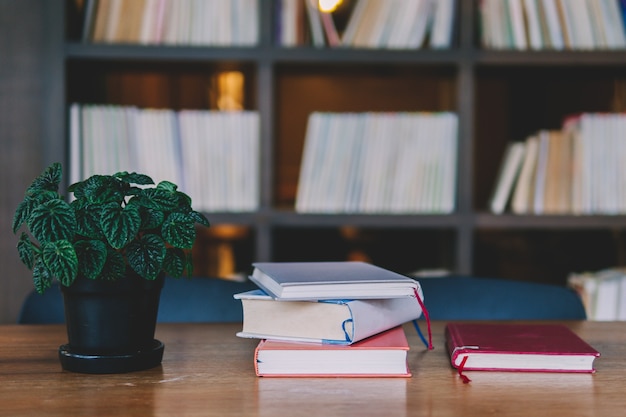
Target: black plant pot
111,325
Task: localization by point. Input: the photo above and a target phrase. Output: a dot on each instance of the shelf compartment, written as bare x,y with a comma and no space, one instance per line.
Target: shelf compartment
303,89
405,251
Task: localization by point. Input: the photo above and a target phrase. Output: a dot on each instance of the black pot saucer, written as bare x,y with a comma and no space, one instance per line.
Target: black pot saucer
111,364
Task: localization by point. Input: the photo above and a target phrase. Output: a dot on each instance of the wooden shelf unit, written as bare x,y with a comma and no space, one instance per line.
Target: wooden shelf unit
498,96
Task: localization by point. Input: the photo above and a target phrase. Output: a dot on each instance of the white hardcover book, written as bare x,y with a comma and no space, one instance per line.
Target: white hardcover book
309,162
533,20
315,24
443,23
403,14
375,11
607,298
518,27
621,311
582,32
541,172
614,24
404,163
354,22
422,23
553,24
331,281
598,25
566,20
450,162
329,321
75,173
358,167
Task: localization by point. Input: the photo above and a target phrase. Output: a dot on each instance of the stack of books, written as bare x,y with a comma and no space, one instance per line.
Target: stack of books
329,319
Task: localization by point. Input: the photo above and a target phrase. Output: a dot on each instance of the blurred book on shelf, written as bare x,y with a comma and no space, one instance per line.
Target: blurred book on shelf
578,169
603,293
373,24
552,24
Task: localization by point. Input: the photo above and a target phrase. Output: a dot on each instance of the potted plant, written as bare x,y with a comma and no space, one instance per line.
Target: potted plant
110,248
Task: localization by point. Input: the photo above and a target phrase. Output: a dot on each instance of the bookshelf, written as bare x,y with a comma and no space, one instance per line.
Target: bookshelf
498,95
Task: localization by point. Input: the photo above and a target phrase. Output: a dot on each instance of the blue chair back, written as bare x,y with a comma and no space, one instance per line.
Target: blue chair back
474,298
182,300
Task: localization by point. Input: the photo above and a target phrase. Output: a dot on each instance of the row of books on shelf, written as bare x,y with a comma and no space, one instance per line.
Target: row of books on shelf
172,22
553,24
603,293
578,169
212,155
388,24
329,319
378,163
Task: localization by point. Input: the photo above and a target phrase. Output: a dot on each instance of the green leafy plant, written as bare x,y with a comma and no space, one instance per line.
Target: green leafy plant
115,222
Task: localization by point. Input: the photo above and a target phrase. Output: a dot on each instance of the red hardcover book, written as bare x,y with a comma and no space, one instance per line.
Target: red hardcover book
518,347
384,354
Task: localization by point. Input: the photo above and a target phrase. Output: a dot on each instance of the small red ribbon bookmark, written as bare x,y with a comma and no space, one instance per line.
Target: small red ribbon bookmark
463,377
427,317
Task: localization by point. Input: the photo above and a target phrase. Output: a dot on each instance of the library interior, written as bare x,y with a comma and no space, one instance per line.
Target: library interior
449,141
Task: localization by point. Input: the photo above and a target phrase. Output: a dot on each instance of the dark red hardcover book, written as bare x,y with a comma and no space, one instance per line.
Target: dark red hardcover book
518,347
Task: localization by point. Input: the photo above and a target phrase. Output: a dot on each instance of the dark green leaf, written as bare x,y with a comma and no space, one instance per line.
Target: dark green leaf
199,218
92,255
146,255
26,250
100,189
51,221
88,219
167,186
175,262
134,178
179,230
42,277
157,199
26,207
48,180
151,219
184,200
114,267
120,225
60,259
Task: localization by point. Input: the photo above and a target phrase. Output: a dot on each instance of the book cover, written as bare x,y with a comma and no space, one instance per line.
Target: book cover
518,347
384,354
331,281
328,321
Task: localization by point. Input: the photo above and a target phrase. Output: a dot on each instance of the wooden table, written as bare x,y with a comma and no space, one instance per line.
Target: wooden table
208,371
